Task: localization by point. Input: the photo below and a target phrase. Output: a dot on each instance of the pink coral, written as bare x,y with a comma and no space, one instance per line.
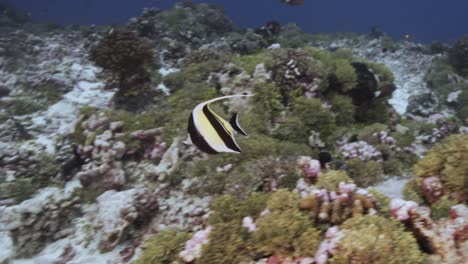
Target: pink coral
400,208
328,246
433,188
446,238
346,187
193,247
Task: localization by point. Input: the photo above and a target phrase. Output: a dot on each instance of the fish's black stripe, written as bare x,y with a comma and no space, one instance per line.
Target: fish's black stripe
227,139
197,139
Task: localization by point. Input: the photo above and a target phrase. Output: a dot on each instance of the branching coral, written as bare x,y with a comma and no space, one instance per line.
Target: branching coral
374,239
326,206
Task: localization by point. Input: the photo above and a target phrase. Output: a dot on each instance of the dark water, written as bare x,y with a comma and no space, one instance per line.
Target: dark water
426,20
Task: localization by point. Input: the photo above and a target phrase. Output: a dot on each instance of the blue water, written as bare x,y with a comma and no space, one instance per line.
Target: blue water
426,20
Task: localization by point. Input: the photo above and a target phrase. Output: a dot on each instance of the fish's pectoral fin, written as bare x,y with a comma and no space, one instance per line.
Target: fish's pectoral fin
234,121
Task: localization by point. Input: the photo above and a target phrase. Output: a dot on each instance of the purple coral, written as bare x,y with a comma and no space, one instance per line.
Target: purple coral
385,138
361,150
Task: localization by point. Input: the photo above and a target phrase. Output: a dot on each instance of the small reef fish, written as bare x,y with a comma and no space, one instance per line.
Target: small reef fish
293,2
210,132
324,158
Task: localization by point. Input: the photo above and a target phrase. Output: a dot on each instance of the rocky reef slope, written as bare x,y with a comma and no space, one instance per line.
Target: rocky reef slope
96,165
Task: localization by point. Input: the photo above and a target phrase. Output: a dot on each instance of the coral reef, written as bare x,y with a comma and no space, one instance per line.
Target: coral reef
122,52
444,239
23,172
127,56
82,182
442,171
360,150
309,168
327,206
104,145
45,218
330,180
364,173
294,69
119,212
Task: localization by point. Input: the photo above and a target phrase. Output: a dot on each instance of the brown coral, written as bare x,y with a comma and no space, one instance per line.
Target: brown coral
323,209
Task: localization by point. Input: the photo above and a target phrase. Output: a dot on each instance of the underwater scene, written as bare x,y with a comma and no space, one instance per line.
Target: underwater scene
233,132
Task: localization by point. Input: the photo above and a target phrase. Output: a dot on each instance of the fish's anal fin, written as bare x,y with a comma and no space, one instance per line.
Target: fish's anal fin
234,121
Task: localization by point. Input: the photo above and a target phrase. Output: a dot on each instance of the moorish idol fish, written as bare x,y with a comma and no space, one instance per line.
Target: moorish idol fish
210,132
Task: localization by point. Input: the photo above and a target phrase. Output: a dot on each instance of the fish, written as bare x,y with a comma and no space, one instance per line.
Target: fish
211,133
293,2
324,158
